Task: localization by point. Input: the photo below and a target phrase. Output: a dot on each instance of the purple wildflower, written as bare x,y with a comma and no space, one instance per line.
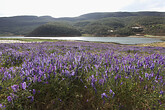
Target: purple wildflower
73,73
104,95
15,88
31,97
116,77
146,75
9,98
45,77
59,99
35,78
101,81
23,85
161,92
110,91
34,91
1,105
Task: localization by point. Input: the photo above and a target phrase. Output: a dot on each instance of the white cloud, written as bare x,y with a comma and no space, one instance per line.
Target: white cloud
67,8
146,5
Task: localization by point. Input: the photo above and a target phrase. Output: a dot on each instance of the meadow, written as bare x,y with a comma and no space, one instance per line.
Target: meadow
66,75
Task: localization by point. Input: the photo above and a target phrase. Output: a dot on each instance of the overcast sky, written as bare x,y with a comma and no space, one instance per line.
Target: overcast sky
72,8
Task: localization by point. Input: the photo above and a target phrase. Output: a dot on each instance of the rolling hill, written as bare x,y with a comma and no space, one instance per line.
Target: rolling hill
96,24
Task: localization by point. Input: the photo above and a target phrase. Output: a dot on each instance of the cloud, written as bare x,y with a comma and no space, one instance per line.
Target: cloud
146,5
59,8
71,8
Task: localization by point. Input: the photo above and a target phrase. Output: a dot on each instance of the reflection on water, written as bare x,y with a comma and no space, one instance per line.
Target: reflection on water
121,40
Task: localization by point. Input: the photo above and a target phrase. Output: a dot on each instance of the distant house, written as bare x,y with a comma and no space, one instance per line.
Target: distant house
110,30
137,29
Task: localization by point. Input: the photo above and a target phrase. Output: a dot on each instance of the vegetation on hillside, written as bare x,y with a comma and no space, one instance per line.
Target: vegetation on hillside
123,26
55,29
96,24
21,25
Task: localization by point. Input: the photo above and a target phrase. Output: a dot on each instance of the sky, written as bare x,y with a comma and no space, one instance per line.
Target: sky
73,8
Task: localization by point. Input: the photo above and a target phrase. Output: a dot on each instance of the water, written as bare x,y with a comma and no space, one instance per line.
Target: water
120,40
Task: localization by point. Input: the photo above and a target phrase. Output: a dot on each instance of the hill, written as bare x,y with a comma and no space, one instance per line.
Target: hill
96,24
101,15
123,26
21,25
54,29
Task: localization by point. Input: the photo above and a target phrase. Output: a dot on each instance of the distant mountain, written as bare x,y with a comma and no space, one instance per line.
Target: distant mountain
100,15
21,25
97,24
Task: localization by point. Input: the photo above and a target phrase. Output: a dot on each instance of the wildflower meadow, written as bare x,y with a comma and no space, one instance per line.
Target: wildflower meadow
66,75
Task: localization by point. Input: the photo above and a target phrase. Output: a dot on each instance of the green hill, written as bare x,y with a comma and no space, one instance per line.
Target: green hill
123,26
96,24
53,30
21,25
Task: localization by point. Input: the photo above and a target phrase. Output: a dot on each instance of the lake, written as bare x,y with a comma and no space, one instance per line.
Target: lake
120,40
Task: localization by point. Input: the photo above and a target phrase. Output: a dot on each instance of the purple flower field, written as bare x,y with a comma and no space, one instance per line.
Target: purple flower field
81,75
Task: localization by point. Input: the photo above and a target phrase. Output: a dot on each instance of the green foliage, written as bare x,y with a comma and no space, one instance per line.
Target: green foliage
10,59
123,26
55,29
153,23
21,25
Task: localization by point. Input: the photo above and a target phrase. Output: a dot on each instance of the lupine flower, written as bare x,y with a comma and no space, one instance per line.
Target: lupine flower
1,105
161,92
146,75
116,77
31,97
15,88
35,78
101,81
104,95
59,99
23,85
110,91
34,91
45,77
9,98
73,73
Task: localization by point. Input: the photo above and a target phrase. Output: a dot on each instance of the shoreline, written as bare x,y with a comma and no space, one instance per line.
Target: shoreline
156,44
149,36
13,41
